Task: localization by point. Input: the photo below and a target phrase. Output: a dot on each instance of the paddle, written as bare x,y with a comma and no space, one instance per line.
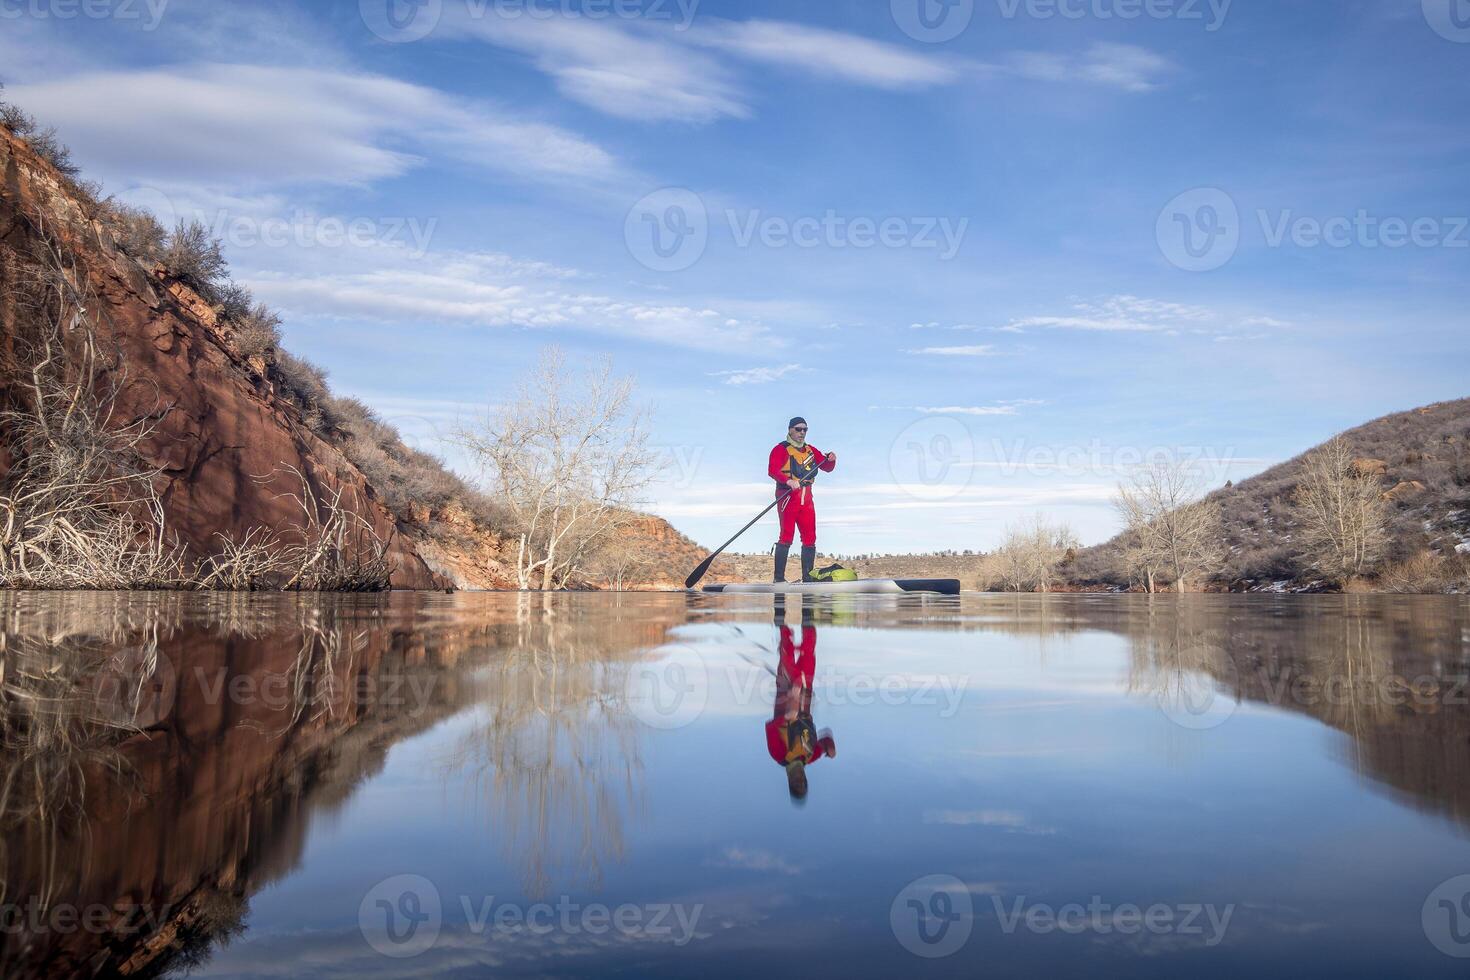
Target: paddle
698,573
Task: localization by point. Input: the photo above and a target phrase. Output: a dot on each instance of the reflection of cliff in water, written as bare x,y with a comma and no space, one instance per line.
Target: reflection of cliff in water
165,754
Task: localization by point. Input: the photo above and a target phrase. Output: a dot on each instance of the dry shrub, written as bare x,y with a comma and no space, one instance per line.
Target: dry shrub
197,257
1426,572
138,233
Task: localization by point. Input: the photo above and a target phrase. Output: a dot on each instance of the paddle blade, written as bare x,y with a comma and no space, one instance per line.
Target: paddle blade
698,573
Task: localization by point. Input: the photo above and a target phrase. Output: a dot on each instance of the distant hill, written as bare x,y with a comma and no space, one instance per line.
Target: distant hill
1421,458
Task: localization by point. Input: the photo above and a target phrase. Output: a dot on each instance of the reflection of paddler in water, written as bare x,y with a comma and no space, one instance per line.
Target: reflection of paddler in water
793,741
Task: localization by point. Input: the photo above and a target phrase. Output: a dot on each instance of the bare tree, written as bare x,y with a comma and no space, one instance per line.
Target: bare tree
1341,514
568,456
1173,529
1033,551
623,561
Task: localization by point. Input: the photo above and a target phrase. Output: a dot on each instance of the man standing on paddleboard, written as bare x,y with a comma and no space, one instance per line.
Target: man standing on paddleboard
793,464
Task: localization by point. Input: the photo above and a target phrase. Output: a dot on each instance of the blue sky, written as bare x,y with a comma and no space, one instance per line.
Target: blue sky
994,260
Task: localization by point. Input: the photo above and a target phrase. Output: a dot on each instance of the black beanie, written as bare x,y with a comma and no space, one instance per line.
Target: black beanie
793,422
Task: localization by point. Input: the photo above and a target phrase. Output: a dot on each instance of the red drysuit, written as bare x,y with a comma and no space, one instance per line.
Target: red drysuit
798,510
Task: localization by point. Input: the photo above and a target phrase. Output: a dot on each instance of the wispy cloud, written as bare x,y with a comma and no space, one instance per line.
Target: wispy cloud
757,375
826,53
1010,407
489,290
242,126
1116,314
617,70
972,350
1123,66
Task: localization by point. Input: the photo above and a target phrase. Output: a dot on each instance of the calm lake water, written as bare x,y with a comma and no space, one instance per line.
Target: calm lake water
587,784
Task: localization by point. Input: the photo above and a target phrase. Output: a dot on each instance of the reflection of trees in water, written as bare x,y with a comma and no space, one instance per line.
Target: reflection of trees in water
557,755
1390,672
1178,649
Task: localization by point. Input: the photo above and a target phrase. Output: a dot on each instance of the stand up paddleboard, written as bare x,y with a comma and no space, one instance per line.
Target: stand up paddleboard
876,586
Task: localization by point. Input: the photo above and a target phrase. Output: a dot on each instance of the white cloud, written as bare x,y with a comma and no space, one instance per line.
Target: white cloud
255,125
641,72
614,69
481,289
973,350
965,409
1117,314
757,376
826,53
1124,66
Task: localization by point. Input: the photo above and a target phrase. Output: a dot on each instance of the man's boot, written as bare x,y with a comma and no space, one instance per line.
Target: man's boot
808,560
782,550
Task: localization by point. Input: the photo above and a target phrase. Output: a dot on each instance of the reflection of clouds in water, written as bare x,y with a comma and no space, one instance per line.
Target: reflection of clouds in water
754,859
723,921
1010,821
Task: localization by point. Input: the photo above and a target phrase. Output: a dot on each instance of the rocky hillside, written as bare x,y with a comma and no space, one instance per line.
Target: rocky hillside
1421,459
233,438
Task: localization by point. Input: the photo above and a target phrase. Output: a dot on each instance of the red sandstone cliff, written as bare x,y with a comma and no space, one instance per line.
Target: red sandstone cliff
228,442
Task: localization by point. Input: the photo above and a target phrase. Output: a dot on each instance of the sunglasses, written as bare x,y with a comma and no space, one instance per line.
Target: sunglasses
798,428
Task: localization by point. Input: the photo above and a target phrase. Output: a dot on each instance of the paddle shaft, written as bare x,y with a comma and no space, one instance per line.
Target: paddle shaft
699,572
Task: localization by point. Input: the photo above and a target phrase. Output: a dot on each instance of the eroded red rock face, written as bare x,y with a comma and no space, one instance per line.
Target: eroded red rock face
228,445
